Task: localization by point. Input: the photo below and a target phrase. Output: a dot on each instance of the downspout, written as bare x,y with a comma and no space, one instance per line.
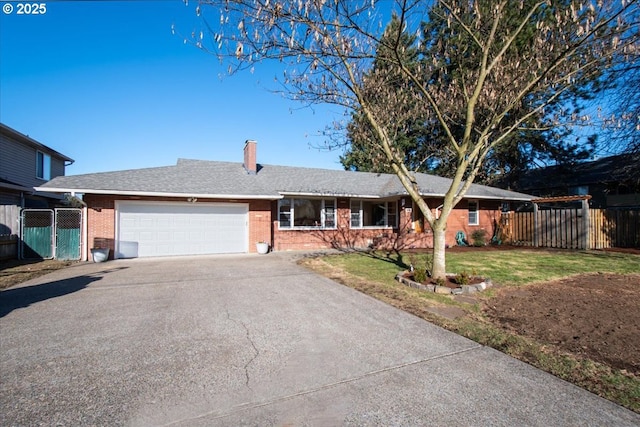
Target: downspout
85,229
85,233
20,221
438,211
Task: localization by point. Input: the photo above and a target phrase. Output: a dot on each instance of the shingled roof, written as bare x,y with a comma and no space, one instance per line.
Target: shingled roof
619,168
201,178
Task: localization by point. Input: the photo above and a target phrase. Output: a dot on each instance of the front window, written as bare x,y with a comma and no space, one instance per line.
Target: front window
473,212
43,166
284,209
307,213
356,214
365,213
580,190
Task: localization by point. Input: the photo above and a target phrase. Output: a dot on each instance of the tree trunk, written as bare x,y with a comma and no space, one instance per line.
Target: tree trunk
439,246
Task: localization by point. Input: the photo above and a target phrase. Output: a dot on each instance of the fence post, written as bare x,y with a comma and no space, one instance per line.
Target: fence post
535,225
585,226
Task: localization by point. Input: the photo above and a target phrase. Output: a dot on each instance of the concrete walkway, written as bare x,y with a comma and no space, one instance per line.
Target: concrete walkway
253,340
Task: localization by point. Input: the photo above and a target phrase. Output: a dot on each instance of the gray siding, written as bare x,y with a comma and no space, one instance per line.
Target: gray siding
57,167
18,163
9,199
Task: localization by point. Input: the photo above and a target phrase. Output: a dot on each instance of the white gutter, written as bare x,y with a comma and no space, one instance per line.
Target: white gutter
520,199
471,196
306,194
85,233
157,194
256,197
365,196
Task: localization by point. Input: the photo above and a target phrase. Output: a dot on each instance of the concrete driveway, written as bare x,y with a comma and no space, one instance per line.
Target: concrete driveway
253,340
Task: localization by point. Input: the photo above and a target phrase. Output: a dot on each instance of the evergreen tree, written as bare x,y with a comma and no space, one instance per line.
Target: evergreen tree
541,140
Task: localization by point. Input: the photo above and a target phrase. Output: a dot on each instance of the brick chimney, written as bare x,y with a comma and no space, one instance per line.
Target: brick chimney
250,164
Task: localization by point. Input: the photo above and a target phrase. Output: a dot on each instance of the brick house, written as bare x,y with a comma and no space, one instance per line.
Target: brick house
204,207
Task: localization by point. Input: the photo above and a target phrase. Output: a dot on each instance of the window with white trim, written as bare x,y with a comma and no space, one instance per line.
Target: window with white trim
474,218
43,166
367,213
296,212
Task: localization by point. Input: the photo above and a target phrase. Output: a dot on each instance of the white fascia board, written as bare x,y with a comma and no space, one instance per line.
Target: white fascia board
473,197
305,194
502,198
157,194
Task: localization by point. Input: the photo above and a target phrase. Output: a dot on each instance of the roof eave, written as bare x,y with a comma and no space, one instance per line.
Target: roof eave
158,193
16,187
324,194
32,142
403,194
515,199
523,198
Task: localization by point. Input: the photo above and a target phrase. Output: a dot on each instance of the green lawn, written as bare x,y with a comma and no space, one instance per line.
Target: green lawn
507,267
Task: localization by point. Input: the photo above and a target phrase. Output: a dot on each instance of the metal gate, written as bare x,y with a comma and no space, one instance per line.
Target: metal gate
51,233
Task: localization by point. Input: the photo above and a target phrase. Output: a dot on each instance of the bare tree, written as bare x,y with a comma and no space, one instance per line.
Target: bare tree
621,120
486,75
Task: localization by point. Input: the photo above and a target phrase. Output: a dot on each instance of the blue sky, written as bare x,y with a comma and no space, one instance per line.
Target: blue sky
107,84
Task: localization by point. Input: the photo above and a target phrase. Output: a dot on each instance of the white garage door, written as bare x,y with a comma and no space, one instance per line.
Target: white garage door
160,229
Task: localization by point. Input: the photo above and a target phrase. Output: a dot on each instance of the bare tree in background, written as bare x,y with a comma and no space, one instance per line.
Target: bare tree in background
621,121
493,66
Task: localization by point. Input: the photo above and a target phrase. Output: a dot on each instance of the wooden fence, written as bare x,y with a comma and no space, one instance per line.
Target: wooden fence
570,228
9,230
9,219
8,246
614,228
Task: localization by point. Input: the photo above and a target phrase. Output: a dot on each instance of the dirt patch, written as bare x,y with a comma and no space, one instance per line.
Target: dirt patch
13,272
596,316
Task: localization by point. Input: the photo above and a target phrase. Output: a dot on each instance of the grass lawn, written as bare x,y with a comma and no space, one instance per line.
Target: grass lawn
374,275
512,267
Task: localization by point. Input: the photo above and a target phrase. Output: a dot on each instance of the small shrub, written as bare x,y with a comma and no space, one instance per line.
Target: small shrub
413,262
440,281
428,263
462,278
419,275
479,237
420,267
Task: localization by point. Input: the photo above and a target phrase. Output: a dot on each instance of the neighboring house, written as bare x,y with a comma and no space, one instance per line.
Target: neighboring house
612,182
204,207
25,164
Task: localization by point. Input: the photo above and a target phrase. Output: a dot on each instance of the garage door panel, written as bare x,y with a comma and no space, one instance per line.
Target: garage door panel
157,229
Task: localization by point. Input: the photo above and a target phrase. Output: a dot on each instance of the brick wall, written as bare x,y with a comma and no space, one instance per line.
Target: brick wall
345,237
259,223
101,219
263,226
488,218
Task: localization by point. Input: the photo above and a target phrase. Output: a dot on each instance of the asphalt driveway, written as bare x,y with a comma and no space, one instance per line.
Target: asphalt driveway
253,340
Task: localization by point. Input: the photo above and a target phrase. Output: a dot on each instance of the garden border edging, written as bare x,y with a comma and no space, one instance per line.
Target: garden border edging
464,289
